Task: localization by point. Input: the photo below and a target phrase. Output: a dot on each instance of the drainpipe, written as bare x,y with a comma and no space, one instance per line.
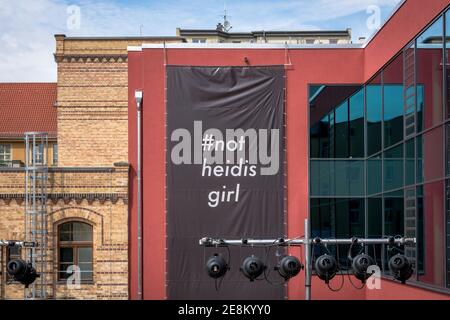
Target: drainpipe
138,96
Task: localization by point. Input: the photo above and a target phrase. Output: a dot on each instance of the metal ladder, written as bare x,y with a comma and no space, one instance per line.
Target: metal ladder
410,223
409,129
36,229
409,92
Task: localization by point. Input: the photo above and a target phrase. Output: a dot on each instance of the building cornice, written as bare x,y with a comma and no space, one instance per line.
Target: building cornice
68,197
99,58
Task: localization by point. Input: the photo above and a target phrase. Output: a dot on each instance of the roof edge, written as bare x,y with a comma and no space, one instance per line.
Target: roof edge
241,46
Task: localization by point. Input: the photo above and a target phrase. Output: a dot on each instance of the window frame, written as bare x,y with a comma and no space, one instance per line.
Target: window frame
75,246
55,154
5,153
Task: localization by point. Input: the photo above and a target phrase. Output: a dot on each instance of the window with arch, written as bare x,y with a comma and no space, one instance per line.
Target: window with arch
75,248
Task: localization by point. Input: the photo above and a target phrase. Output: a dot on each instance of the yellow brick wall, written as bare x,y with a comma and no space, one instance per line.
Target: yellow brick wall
93,99
68,201
92,107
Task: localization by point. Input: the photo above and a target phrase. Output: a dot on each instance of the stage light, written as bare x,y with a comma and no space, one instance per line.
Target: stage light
252,267
360,264
216,266
22,272
400,267
326,267
288,267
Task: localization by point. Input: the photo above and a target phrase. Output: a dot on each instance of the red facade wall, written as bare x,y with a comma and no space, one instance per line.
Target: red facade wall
309,66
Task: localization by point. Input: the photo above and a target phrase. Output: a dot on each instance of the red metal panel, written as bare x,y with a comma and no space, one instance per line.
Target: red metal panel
403,26
319,66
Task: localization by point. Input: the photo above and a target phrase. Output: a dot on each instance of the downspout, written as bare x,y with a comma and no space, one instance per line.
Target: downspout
138,96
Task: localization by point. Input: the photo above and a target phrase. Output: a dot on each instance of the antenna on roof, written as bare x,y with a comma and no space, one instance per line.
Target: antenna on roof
226,24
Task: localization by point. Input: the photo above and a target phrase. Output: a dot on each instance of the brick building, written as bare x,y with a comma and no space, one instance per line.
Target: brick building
85,115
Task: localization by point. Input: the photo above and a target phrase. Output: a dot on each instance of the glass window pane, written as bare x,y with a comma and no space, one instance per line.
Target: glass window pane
429,72
374,115
393,114
356,107
341,131
374,175
65,232
447,229
66,255
63,270
375,225
84,255
340,218
419,158
393,215
82,232
393,168
447,59
329,120
375,213
321,222
433,154
337,178
434,241
393,101
420,102
420,230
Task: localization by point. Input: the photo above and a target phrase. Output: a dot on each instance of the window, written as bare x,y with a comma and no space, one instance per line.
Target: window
310,41
75,248
333,41
396,180
39,154
5,153
199,40
337,218
374,115
356,124
393,168
429,72
55,154
393,102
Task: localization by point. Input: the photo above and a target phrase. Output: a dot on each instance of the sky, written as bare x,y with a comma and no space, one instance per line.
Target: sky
27,27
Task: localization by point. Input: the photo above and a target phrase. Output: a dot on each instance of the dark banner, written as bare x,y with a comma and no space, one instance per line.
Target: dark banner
225,176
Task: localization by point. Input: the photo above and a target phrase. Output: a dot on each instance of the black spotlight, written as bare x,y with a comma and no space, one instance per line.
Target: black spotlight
288,267
400,267
216,266
326,267
252,267
22,272
360,264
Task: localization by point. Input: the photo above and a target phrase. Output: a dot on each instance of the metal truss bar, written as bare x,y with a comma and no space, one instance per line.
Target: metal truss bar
218,242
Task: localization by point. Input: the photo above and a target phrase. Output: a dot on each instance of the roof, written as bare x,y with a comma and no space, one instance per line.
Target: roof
27,107
119,38
269,33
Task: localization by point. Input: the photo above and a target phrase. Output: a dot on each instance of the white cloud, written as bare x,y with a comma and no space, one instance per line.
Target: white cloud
27,26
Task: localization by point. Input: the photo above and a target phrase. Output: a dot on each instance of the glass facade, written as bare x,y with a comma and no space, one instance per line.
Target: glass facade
380,156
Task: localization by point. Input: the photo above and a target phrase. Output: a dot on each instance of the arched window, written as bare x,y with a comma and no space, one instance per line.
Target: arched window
75,248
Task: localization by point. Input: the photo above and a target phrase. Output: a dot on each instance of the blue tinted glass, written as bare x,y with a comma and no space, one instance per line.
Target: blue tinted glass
393,114
374,175
337,178
357,124
341,131
419,121
393,168
374,115
429,72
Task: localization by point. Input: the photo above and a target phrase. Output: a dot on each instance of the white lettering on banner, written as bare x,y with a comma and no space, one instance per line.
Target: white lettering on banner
242,153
